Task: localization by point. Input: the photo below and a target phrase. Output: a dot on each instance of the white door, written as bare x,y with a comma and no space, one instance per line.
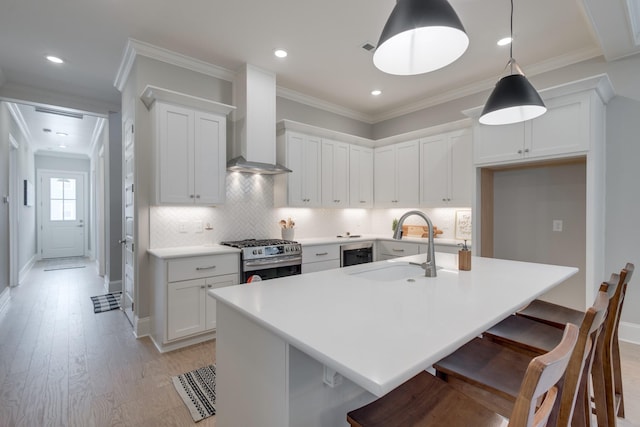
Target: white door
15,200
62,220
128,223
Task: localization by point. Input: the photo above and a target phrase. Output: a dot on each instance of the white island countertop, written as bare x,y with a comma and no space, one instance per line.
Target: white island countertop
378,333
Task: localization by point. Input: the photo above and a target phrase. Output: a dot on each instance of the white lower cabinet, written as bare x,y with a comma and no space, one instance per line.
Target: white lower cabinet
183,313
189,309
320,258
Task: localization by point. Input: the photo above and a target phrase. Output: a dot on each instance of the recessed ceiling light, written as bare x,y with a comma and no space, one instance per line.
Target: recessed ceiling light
280,53
62,134
62,146
505,41
376,92
54,59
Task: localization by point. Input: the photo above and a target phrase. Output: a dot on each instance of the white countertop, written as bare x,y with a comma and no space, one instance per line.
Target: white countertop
379,334
189,251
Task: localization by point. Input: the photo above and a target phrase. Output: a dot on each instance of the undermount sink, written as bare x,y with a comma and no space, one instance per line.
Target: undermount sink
391,272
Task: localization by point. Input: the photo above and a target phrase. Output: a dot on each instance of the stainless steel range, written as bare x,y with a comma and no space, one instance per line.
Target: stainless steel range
268,258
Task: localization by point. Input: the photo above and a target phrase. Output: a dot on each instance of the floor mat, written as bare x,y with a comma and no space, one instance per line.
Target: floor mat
198,391
108,302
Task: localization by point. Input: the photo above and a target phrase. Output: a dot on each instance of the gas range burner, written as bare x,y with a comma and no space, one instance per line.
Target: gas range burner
252,243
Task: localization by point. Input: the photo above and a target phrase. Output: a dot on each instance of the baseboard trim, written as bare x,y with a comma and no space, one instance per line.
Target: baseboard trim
629,332
112,285
163,348
26,269
4,298
142,326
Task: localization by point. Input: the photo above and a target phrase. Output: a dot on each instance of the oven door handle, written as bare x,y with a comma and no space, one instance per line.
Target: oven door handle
262,264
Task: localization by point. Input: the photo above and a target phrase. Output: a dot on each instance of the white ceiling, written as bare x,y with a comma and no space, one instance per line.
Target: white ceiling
324,40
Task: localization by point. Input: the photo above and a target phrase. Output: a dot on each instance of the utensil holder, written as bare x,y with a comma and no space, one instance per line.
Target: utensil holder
288,233
464,260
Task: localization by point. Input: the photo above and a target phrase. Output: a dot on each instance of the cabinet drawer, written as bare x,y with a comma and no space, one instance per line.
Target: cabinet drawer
203,266
312,267
398,249
320,253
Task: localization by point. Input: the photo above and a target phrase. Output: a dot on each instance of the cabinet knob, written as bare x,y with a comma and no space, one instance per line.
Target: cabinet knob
448,200
209,286
519,151
526,150
444,199
197,196
191,196
202,287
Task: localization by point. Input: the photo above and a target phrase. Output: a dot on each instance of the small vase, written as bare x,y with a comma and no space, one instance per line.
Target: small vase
288,233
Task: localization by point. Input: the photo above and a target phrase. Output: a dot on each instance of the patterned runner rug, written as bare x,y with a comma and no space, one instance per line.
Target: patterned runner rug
198,391
106,302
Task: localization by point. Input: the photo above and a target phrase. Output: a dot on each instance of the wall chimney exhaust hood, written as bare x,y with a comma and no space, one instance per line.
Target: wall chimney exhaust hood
254,143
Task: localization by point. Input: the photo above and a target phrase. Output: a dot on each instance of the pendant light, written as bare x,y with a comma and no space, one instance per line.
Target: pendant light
513,99
420,36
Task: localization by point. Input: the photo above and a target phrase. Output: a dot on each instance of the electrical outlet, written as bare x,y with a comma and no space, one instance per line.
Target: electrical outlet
197,226
557,225
182,226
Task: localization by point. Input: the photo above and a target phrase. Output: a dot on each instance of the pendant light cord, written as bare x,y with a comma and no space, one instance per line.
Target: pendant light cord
511,61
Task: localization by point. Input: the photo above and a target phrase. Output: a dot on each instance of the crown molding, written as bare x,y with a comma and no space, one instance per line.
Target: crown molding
136,47
22,124
487,84
311,101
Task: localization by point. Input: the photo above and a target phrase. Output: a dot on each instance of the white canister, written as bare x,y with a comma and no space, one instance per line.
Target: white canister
288,233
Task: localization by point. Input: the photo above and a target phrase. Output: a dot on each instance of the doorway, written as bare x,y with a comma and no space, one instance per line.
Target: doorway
62,214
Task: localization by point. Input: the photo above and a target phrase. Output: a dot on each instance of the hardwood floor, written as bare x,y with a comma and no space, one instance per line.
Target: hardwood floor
63,365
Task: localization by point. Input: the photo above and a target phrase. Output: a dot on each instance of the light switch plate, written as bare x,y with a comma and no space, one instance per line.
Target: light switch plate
557,225
182,226
197,226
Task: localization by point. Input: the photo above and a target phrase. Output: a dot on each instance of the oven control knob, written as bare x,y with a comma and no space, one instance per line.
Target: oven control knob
255,252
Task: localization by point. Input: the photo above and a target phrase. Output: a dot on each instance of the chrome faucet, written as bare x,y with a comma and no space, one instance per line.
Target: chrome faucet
430,265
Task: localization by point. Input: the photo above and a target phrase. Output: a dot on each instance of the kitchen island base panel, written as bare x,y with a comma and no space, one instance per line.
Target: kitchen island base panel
262,380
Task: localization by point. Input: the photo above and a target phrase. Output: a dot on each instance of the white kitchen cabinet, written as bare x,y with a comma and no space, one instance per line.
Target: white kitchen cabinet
189,309
320,258
190,155
183,313
395,249
446,169
334,174
302,154
360,177
561,132
397,175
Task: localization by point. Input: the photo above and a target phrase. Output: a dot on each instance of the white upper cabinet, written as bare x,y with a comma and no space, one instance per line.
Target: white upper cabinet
335,174
360,177
562,131
190,145
301,154
446,169
191,156
396,175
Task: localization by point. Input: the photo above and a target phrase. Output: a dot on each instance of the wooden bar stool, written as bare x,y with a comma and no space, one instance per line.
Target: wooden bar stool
487,369
557,315
425,400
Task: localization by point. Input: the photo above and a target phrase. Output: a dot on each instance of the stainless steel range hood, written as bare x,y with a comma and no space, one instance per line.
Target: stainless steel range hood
254,142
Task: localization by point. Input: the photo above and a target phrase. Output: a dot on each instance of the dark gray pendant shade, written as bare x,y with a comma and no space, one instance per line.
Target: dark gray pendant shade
513,100
420,36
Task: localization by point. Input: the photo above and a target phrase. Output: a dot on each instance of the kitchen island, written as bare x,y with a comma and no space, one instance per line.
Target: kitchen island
305,350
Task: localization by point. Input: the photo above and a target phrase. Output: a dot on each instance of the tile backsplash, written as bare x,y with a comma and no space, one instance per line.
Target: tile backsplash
249,213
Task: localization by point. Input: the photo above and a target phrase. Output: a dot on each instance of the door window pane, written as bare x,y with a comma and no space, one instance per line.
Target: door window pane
62,195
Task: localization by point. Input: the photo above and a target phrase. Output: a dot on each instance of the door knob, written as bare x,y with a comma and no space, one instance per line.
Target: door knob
122,241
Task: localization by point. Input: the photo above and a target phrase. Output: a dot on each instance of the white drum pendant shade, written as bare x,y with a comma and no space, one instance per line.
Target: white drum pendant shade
420,36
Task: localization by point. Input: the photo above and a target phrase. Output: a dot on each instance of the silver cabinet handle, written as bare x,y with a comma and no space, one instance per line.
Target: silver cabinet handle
122,241
211,267
363,201
398,250
322,254
80,225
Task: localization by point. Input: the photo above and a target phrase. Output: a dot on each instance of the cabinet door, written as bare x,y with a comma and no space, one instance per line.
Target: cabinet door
360,177
213,283
384,170
495,144
185,308
435,170
563,129
461,172
408,174
303,158
174,132
335,174
209,158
